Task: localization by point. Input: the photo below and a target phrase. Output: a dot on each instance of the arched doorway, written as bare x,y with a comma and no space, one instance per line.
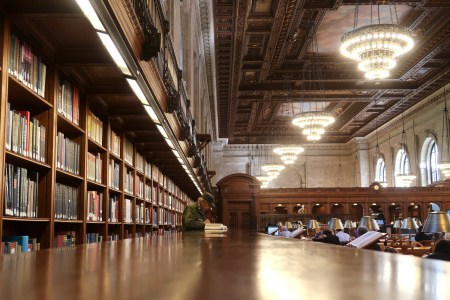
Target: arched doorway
280,209
318,209
337,210
414,211
395,211
356,212
237,196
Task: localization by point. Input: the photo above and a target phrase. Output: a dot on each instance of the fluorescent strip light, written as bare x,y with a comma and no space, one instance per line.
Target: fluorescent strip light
137,90
176,153
152,114
90,13
114,52
162,131
180,160
169,142
184,167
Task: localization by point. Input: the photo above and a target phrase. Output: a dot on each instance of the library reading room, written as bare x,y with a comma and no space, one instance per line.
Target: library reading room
225,149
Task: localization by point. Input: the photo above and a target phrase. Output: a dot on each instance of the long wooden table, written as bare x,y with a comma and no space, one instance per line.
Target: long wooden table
241,265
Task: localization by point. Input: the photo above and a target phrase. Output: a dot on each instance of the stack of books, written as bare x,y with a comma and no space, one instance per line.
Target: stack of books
216,229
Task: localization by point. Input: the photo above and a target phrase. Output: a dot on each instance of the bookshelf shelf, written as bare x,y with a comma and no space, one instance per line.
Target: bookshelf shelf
70,129
68,221
95,222
26,162
61,174
115,156
95,147
19,219
114,191
94,185
23,95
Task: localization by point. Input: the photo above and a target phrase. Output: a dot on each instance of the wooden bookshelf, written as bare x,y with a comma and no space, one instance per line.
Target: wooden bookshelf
91,120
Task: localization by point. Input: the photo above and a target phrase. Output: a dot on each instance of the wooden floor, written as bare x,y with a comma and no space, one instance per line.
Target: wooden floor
239,266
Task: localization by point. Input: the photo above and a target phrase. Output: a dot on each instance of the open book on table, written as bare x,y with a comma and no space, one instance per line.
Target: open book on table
297,232
367,239
215,227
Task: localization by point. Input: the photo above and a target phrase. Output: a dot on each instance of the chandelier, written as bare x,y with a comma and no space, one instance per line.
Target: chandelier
376,47
445,162
265,180
288,154
313,123
405,178
272,170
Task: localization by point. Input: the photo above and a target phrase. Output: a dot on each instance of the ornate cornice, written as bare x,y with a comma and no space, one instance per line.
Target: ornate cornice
208,48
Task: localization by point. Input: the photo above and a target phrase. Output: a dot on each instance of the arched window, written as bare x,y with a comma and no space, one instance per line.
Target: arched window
432,163
402,166
380,170
429,161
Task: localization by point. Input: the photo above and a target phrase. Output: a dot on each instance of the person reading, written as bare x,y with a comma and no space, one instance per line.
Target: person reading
194,214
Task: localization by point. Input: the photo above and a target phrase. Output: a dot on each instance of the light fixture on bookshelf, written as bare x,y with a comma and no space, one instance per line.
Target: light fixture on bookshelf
162,131
114,52
91,15
152,114
137,90
170,143
176,153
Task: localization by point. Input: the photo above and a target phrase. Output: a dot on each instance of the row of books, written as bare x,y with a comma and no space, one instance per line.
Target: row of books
127,216
140,163
25,135
26,66
114,174
94,128
128,181
66,202
21,192
64,239
115,143
139,187
68,100
94,167
93,237
67,154
128,153
94,206
114,208
18,243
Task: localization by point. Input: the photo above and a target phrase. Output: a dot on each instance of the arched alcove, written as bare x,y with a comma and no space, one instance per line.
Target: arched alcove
238,193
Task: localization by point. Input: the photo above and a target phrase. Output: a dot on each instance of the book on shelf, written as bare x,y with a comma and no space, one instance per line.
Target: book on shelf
94,128
366,240
215,228
20,240
68,101
64,239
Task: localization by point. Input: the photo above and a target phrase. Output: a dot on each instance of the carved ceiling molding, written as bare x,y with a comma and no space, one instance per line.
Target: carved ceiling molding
241,12
208,48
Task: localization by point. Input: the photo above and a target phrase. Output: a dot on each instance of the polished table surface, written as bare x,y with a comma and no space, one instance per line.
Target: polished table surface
241,265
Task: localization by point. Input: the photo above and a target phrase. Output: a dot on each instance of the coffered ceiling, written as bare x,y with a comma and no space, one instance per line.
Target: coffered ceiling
267,70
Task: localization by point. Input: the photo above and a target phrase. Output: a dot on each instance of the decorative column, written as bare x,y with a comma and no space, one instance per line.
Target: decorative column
363,162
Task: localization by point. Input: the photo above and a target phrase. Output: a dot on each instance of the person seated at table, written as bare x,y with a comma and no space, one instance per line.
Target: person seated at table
344,238
422,236
285,232
362,230
328,237
441,251
194,214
